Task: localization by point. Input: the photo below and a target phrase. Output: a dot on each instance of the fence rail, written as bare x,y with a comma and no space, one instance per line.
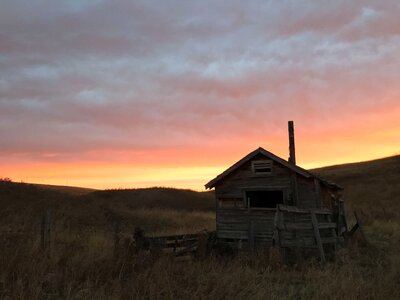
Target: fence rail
177,245
307,229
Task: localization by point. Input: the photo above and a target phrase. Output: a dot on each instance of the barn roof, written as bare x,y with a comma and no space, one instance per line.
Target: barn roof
275,158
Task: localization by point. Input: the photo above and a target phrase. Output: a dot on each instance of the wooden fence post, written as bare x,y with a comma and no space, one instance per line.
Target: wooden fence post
361,228
202,244
141,241
45,230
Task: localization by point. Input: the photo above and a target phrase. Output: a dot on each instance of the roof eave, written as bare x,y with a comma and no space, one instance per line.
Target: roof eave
294,168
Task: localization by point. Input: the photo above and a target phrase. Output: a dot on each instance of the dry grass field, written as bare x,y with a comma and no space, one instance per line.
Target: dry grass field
82,263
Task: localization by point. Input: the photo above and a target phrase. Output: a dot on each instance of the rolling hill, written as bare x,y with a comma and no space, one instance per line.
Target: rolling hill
72,190
156,209
372,187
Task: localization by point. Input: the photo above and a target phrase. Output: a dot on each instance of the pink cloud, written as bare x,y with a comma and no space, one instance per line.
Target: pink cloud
109,81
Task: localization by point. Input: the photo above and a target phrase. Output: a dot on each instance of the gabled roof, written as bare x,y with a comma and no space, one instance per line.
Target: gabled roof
275,158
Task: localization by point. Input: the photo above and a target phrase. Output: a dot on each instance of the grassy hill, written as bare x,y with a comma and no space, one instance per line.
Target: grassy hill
158,197
72,190
83,265
23,204
372,187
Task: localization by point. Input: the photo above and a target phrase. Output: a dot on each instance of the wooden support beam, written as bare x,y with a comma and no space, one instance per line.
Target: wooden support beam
321,211
317,236
278,222
317,193
334,235
339,219
251,235
295,190
277,226
343,210
307,226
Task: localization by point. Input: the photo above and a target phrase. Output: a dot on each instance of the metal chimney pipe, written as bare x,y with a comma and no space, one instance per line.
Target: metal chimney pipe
292,151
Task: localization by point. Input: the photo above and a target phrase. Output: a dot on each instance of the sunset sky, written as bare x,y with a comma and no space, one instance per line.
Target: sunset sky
120,94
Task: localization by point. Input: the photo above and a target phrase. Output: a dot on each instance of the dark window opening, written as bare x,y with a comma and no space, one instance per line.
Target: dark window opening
262,166
263,170
264,199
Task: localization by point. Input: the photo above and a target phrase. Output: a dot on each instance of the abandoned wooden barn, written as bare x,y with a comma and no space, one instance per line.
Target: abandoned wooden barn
250,192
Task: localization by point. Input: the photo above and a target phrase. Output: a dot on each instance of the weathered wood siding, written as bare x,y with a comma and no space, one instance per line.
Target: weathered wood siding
252,227
330,197
308,194
262,225
243,178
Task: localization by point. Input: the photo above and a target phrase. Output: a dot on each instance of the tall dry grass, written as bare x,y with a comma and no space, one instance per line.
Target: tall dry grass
89,270
82,265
